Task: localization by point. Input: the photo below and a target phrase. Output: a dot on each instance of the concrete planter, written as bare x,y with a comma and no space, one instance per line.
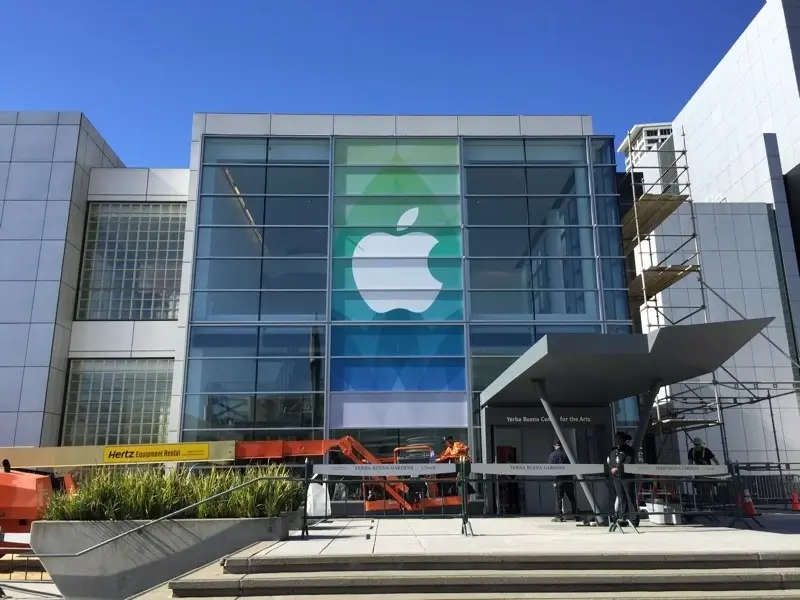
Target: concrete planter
141,560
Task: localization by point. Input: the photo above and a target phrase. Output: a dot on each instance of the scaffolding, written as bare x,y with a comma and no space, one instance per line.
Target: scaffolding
661,247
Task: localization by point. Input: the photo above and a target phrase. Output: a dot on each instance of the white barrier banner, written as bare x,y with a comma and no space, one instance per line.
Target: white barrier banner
536,469
677,470
386,470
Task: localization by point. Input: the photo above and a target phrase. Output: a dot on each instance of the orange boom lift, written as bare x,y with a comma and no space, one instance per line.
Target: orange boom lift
25,487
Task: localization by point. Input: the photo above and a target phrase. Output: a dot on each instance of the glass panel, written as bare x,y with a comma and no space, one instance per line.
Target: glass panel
551,181
605,180
616,304
274,410
250,435
369,243
234,150
564,273
614,273
227,181
295,274
391,181
480,151
396,151
296,241
614,329
231,210
227,274
296,210
397,305
381,211
500,340
228,342
500,274
382,442
396,340
131,265
392,273
230,241
298,151
537,241
610,239
297,180
491,181
291,341
117,401
543,330
603,151
538,210
230,375
486,369
225,306
572,304
626,412
566,151
398,374
608,210
501,306
293,306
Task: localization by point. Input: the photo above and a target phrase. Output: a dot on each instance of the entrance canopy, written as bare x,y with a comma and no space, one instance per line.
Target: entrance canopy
595,369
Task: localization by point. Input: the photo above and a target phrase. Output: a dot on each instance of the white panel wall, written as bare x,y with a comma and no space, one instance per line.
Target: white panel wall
123,339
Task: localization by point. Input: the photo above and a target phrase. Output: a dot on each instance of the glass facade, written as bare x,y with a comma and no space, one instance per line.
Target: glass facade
376,286
131,268
123,401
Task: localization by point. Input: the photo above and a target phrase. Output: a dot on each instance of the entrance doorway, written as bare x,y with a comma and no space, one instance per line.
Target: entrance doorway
533,445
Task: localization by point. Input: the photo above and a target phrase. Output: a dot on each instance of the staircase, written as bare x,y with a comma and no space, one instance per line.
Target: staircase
253,572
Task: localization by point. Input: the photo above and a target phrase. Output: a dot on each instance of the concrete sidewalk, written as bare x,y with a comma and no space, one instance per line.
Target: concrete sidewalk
531,536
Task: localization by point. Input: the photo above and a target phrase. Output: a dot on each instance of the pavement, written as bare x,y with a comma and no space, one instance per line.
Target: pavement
533,535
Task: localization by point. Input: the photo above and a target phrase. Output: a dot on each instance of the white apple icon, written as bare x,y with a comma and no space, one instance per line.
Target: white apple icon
391,271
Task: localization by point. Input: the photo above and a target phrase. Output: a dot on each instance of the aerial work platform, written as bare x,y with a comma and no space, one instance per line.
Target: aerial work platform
593,370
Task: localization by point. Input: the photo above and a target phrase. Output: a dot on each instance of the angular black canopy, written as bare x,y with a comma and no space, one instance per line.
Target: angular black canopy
595,369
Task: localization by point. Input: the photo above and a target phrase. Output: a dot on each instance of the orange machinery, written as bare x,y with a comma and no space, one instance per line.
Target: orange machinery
379,493
24,492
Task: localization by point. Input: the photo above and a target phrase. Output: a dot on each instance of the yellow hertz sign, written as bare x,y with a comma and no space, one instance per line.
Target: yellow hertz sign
156,453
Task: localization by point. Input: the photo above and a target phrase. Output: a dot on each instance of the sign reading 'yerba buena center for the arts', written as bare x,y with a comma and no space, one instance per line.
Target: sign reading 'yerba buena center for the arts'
545,419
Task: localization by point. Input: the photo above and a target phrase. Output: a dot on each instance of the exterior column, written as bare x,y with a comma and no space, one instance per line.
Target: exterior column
540,391
644,416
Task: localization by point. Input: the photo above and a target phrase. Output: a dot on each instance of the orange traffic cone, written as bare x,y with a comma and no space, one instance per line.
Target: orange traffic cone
747,504
795,502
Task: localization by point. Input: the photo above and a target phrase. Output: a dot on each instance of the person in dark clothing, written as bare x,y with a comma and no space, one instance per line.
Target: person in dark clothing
699,454
620,455
563,485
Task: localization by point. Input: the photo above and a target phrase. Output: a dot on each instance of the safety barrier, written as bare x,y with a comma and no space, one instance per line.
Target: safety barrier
773,486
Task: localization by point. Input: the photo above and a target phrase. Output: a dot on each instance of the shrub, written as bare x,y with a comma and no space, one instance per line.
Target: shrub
116,494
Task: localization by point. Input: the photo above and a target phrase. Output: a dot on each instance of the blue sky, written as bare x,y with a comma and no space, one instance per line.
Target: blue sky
139,69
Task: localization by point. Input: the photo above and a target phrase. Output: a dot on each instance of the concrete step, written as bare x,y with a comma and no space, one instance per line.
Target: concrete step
200,584
258,560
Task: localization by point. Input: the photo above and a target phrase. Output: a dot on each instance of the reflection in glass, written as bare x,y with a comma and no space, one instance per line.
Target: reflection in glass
500,340
551,181
489,151
398,374
614,273
231,210
234,180
616,305
234,150
396,151
605,180
296,210
501,306
277,306
582,305
382,442
299,150
385,211
250,435
536,211
295,274
219,411
393,181
603,151
397,340
556,151
297,180
227,274
257,241
492,181
534,241
500,274
232,376
245,342
608,210
610,241
537,304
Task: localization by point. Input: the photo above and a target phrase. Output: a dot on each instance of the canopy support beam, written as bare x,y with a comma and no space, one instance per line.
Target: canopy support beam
539,387
644,415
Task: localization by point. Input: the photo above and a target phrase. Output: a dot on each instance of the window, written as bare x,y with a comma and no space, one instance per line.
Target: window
247,342
120,401
396,340
535,211
278,306
282,410
248,376
131,268
233,242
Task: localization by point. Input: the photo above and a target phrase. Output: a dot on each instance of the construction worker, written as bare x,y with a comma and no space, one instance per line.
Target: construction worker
699,454
453,451
563,484
622,454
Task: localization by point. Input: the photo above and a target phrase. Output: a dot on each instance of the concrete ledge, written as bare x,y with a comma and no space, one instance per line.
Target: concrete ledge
387,582
257,562
142,560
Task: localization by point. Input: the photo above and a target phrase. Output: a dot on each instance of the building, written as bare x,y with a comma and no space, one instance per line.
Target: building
737,136
309,276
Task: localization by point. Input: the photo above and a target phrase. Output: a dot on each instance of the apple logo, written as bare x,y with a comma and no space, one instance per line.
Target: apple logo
391,271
